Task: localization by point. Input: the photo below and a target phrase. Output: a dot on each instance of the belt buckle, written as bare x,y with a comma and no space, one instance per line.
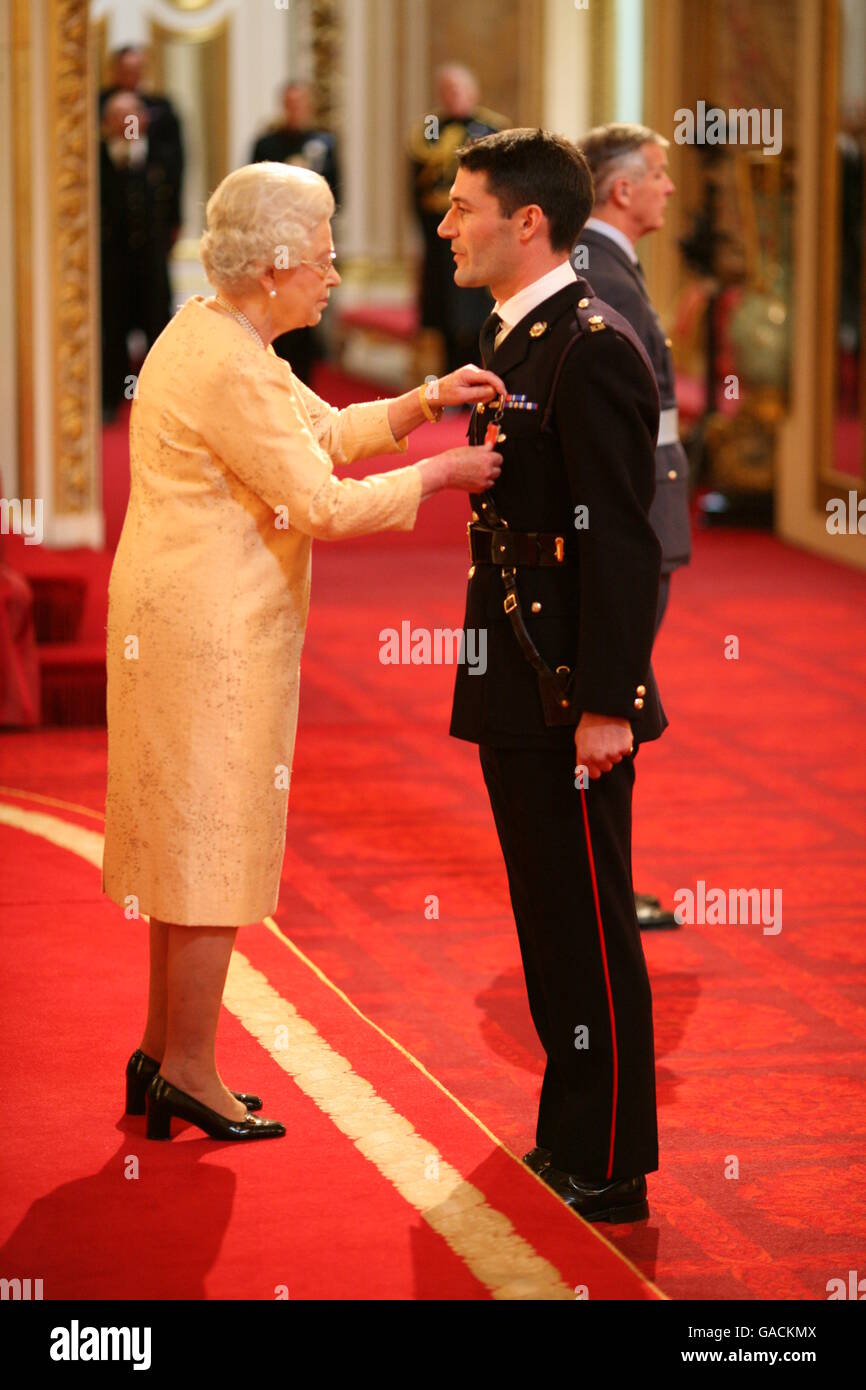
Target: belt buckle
510,603
559,547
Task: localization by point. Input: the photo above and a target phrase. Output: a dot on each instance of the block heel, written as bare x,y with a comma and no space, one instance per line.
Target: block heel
158,1119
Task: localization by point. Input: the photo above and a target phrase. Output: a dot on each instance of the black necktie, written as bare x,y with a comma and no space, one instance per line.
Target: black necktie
487,337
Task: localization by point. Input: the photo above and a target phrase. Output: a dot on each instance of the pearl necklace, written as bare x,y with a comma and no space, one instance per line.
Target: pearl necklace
241,318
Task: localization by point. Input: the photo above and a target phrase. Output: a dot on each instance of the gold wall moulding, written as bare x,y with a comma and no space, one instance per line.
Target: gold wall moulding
70,124
189,5
22,167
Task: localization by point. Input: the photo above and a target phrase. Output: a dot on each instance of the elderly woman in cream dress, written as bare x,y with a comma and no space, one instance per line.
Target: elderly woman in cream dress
232,476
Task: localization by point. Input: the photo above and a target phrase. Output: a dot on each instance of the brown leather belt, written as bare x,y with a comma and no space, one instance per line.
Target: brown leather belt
533,549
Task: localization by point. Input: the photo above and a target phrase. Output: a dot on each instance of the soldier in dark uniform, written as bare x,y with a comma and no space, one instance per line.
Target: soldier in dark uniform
163,128
298,140
433,144
564,578
632,186
136,217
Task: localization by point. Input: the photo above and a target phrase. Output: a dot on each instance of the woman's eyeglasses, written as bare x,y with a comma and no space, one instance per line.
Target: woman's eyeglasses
322,267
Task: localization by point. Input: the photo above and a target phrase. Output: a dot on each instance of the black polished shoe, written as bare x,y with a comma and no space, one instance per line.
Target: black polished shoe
538,1159
615,1202
165,1101
140,1071
651,916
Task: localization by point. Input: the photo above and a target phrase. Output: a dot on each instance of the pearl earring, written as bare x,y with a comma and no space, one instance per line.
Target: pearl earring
272,294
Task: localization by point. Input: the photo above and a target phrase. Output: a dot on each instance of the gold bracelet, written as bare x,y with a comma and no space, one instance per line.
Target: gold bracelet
434,416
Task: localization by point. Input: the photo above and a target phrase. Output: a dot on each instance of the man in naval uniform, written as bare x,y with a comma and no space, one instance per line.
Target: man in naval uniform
457,314
298,139
632,186
564,578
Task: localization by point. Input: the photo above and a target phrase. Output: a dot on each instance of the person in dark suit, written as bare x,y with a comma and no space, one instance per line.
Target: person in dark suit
136,217
457,314
632,186
564,580
128,73
296,139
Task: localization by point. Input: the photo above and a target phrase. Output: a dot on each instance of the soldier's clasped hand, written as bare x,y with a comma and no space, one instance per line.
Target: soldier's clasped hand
600,741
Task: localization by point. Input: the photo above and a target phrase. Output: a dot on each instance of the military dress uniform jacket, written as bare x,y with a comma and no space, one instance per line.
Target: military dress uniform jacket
620,283
165,147
309,149
590,444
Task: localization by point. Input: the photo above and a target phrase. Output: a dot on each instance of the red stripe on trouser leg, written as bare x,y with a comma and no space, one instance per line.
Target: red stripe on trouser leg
606,977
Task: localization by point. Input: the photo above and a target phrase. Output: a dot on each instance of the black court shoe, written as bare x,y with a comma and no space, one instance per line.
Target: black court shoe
140,1071
616,1202
165,1101
538,1159
651,916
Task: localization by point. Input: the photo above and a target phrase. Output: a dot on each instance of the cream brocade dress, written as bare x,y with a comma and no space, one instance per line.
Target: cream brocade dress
207,609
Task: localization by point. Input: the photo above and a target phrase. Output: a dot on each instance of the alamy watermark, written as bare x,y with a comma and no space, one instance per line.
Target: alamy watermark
737,126
77,1343
711,907
439,646
22,518
847,520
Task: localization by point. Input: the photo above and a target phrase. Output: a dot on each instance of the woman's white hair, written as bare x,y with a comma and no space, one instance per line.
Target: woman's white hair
262,215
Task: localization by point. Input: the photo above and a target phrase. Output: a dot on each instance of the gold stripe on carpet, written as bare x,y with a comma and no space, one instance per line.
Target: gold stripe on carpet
483,1237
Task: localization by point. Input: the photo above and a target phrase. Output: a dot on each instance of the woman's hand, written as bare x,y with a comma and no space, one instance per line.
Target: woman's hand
466,386
470,467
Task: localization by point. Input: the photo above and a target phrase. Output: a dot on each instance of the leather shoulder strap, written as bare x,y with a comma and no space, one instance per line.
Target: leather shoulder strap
595,317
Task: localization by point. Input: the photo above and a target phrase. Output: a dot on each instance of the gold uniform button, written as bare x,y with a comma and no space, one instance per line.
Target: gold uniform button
583,304
536,607
641,690
672,473
638,704
471,571
669,342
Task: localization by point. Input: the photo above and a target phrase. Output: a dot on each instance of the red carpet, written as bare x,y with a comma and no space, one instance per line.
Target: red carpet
759,1037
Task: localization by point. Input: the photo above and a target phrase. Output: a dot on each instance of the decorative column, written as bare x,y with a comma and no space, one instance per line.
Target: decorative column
56,231
71,173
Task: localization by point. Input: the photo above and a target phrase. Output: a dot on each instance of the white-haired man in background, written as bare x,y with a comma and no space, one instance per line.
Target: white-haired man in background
632,186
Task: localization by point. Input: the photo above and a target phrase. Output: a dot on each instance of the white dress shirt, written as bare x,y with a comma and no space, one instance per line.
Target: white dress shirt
596,224
512,310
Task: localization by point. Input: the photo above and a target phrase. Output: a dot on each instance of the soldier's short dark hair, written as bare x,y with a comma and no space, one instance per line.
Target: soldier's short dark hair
526,166
615,149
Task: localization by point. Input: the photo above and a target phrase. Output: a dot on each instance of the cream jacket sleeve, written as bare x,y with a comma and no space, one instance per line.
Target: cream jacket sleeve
355,432
254,421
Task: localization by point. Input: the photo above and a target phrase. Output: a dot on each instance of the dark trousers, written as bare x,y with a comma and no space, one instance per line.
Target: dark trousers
586,977
136,293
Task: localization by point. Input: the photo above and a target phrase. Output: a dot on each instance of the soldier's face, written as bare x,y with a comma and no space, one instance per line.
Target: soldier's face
297,107
484,243
650,194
